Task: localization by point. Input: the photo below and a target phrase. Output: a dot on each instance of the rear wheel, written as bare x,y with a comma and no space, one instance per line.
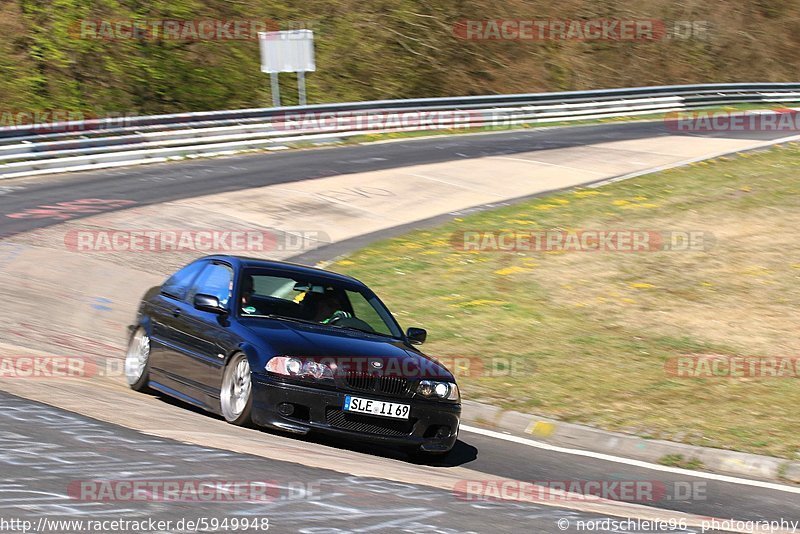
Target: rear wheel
236,394
137,360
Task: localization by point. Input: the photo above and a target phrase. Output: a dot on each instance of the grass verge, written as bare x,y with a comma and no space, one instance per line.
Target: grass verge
591,333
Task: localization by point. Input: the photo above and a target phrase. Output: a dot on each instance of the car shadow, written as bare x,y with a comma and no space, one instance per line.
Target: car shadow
462,453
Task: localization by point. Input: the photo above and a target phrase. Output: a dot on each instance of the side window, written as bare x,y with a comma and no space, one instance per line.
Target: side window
179,283
215,280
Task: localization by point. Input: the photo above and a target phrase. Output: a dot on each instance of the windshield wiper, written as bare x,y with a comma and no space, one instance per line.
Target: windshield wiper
282,318
315,323
373,332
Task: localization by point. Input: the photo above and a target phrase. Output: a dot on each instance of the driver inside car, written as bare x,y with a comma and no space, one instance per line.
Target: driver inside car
248,288
325,307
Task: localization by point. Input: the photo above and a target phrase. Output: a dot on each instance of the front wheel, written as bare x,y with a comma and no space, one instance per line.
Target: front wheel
137,361
236,394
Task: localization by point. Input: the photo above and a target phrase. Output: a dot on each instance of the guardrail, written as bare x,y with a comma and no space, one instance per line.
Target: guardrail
103,143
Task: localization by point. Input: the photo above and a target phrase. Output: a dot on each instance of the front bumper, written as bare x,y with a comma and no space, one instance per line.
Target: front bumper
432,425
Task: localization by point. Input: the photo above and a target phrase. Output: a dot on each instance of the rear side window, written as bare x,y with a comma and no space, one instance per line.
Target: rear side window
179,283
215,280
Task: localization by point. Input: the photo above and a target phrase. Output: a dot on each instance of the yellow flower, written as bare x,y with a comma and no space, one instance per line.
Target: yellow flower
641,285
756,270
510,270
646,205
479,302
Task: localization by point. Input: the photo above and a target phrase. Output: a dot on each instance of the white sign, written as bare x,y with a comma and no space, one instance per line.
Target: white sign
287,51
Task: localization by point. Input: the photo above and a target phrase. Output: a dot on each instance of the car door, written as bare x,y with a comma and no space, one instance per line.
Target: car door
205,337
165,332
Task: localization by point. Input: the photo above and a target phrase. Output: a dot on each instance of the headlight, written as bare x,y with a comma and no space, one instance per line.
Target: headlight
438,390
317,370
294,367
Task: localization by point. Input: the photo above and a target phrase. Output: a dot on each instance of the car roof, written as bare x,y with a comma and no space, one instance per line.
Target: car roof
294,268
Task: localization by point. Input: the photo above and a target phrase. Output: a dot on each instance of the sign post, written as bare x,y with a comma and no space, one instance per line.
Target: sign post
287,51
301,88
276,89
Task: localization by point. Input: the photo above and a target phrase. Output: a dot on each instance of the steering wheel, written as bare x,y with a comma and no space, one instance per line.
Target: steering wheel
336,317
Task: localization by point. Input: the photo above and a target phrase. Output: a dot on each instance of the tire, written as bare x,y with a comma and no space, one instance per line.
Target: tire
236,392
137,361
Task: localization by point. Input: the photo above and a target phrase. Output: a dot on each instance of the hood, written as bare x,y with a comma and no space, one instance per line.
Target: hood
350,350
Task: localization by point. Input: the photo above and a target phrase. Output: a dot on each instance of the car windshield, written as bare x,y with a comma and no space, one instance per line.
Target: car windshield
318,301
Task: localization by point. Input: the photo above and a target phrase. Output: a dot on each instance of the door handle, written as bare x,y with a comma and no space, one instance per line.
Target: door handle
176,312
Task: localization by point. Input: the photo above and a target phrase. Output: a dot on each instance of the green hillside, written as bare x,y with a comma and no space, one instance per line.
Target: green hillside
371,50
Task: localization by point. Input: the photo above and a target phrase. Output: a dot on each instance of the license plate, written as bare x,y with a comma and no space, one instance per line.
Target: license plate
374,407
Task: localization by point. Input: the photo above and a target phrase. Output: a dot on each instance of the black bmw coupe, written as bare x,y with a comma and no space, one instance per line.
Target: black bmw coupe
294,348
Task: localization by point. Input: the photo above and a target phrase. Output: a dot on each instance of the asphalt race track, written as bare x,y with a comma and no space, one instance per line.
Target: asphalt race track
158,183
47,451
42,447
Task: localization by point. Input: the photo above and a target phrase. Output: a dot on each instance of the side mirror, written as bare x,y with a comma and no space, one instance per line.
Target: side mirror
416,336
208,303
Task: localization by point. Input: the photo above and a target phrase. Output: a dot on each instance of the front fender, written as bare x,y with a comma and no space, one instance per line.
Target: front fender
142,321
257,363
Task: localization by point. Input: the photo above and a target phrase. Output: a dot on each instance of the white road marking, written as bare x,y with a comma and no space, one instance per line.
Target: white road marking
629,461
547,164
363,160
10,189
454,184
